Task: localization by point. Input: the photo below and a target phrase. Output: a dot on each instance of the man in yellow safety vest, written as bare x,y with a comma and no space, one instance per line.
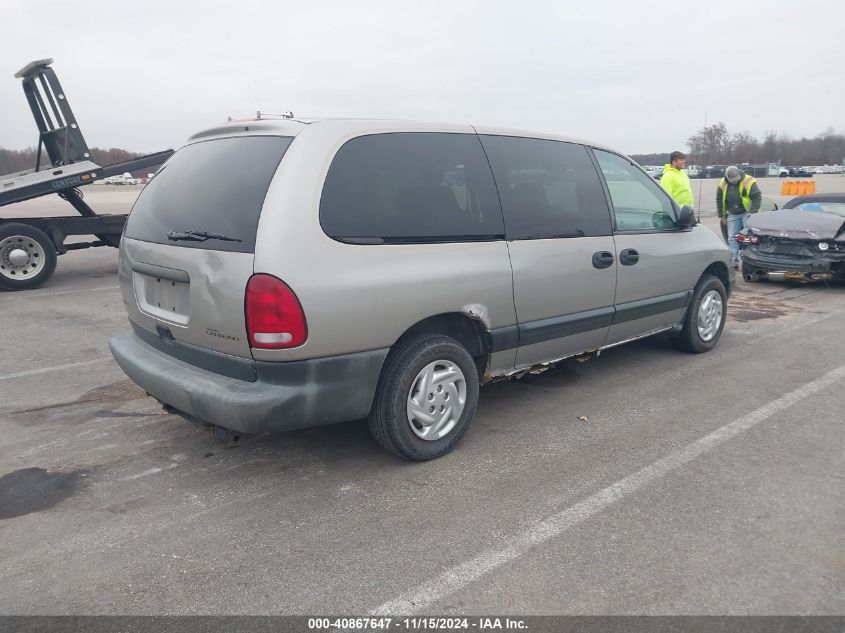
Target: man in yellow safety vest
737,196
675,180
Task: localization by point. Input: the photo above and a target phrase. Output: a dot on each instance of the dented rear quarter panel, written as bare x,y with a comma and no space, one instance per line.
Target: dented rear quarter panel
364,297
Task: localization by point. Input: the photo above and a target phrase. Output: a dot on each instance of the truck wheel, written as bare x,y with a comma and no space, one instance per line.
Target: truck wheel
27,257
705,318
426,397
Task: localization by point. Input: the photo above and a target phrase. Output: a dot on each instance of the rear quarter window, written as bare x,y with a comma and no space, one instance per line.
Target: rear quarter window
217,186
411,187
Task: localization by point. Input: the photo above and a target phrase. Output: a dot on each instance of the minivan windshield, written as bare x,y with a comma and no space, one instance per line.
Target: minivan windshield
211,189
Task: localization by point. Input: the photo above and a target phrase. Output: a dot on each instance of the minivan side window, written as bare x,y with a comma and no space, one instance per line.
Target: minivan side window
411,187
548,189
639,203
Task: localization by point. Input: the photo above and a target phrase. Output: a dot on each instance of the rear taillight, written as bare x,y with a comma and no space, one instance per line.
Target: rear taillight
274,317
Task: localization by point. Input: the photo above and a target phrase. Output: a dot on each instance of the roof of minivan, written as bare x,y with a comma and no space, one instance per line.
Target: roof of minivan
292,126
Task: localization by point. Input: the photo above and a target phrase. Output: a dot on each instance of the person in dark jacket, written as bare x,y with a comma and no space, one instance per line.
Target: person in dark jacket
737,196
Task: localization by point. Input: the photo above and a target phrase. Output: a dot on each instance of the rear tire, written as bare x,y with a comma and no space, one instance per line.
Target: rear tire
705,318
425,373
27,257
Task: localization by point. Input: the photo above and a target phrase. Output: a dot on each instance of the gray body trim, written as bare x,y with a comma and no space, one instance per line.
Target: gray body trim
543,330
204,358
650,307
504,338
566,325
286,396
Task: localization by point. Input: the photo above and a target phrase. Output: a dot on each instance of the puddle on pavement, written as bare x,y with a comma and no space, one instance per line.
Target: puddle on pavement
31,490
101,402
754,308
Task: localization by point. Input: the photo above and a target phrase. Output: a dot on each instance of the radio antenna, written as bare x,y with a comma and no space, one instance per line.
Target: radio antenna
701,177
257,102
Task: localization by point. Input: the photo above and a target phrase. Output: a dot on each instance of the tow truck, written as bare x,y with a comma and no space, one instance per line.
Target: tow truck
29,247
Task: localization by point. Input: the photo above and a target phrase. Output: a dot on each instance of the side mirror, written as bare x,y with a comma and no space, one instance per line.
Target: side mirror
686,218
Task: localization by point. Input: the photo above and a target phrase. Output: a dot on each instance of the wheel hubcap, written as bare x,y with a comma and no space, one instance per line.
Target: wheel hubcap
20,257
436,400
710,313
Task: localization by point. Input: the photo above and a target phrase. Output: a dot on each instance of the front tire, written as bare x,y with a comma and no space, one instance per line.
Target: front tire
705,318
27,257
426,397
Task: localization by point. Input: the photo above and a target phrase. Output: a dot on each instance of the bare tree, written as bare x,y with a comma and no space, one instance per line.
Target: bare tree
744,148
710,143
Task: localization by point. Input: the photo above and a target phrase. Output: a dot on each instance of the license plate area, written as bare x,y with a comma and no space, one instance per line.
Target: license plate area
162,298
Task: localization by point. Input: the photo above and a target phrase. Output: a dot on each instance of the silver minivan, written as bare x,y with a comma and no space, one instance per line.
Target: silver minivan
281,274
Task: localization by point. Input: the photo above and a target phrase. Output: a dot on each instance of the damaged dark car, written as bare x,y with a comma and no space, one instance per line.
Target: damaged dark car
803,241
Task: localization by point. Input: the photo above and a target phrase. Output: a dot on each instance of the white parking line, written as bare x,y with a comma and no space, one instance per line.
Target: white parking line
148,472
44,370
461,575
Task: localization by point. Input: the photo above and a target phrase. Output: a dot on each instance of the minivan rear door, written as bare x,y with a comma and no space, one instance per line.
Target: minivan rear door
189,243
558,229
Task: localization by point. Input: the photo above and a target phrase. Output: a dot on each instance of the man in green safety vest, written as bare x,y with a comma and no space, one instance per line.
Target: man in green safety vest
675,180
737,196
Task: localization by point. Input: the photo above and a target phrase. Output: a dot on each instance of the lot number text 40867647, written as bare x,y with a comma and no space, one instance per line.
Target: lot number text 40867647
417,624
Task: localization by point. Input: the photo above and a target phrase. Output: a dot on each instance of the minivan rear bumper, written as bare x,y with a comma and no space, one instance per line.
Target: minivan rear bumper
288,395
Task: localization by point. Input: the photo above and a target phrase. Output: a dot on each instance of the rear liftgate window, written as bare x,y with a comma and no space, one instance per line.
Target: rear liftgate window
411,187
215,187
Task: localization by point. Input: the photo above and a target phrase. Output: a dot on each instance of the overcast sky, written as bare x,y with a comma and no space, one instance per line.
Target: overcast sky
637,76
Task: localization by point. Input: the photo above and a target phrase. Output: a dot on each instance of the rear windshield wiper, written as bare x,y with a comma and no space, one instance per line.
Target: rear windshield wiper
199,236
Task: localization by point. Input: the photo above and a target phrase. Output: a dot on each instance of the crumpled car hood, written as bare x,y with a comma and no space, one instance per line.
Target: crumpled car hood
796,224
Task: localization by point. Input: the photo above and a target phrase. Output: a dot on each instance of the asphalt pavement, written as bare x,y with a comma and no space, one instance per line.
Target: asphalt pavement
646,481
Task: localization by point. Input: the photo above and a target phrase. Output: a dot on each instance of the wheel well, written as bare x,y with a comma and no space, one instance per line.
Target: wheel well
718,269
468,332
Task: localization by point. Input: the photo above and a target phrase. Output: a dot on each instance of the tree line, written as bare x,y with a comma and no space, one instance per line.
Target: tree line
711,145
716,145
13,161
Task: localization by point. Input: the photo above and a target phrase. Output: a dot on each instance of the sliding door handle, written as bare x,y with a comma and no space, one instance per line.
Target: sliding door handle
629,257
603,259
